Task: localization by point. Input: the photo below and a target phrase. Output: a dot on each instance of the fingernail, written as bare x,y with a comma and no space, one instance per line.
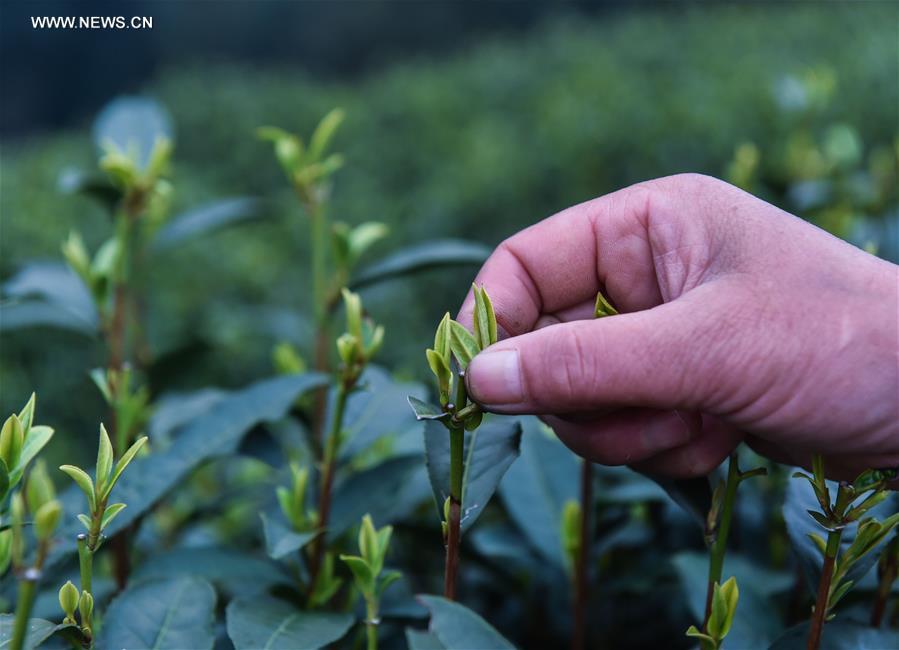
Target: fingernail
494,378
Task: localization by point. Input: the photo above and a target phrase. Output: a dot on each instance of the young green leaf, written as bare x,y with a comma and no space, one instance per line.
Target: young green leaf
484,318
110,513
353,304
363,237
46,519
442,337
84,482
361,572
603,307
120,466
323,133
464,345
104,459
12,438
26,415
731,594
440,367
696,634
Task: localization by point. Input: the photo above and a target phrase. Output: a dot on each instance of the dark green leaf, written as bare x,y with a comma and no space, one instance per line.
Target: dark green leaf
420,640
208,218
281,540
425,411
214,433
433,254
233,570
459,628
172,614
489,452
92,184
694,495
39,631
838,635
48,294
273,624
388,492
379,410
538,486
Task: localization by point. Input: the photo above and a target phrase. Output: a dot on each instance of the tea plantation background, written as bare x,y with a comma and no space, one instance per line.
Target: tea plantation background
475,140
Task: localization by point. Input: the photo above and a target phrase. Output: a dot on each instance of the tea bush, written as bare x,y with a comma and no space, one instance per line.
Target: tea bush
301,502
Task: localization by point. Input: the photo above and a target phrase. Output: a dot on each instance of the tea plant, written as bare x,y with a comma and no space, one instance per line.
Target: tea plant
850,505
21,440
252,510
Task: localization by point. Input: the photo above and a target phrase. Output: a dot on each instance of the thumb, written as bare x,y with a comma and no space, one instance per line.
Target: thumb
658,358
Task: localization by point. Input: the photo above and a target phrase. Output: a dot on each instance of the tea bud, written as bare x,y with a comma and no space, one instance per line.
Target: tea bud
12,437
68,600
46,519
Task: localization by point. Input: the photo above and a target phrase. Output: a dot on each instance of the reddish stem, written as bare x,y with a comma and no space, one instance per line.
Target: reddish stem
453,536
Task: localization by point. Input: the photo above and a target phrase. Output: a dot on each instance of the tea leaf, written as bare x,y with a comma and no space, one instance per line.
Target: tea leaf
324,132
464,345
123,462
207,219
266,622
110,513
421,257
280,540
459,628
490,451
425,411
83,481
168,614
212,433
484,318
104,459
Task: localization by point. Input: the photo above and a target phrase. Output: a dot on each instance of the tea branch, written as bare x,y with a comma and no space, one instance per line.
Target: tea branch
20,441
367,568
718,524
356,348
452,341
102,513
852,502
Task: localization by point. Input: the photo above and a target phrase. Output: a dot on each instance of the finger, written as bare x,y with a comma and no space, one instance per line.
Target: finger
564,260
664,358
626,436
698,457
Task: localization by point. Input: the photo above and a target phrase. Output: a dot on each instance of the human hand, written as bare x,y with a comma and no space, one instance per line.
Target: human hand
738,319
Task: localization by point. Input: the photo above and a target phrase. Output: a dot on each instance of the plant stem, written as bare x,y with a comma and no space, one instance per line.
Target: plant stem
453,531
327,481
85,564
581,582
26,596
821,603
318,232
719,547
371,625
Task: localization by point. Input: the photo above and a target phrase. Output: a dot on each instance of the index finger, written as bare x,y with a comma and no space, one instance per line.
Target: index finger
561,262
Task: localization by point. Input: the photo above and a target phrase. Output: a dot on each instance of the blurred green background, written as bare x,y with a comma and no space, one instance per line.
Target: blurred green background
494,125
